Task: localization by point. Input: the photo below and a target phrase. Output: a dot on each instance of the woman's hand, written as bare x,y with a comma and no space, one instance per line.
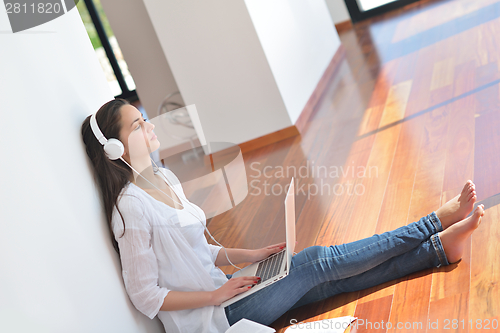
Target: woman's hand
232,288
263,253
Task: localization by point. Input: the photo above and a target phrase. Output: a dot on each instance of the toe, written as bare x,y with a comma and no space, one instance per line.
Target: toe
479,210
469,187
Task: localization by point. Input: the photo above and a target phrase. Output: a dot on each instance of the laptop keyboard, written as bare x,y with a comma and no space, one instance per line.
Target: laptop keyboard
270,267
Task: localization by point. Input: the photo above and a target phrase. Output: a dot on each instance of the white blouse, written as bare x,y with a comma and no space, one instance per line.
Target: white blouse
165,249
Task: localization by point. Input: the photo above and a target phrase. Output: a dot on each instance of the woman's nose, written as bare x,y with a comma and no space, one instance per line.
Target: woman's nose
151,126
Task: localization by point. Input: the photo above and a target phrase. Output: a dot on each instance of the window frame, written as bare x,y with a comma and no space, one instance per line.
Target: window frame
94,15
358,15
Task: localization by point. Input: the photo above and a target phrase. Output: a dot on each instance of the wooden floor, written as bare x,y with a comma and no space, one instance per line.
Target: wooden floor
415,104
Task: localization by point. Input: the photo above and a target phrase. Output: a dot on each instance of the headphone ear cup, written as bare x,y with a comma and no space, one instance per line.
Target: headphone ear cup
114,149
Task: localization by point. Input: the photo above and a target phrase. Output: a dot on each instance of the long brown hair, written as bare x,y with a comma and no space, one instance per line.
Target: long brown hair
110,175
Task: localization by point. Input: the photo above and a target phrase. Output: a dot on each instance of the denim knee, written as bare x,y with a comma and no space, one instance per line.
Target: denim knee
306,255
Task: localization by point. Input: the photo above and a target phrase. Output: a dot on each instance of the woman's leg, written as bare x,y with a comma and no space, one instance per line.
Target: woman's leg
319,264
449,246
318,272
420,258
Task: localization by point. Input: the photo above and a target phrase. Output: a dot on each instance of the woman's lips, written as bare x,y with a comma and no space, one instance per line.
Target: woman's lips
154,137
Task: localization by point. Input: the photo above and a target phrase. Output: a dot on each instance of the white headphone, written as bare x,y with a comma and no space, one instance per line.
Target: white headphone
113,148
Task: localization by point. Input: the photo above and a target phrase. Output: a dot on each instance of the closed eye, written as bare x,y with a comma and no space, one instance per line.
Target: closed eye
139,126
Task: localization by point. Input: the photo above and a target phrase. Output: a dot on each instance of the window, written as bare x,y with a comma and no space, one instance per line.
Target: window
107,49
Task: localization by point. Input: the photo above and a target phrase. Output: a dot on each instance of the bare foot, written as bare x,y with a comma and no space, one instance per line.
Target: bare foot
454,238
459,207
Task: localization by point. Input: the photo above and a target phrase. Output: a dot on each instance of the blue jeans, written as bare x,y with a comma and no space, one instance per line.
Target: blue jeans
320,272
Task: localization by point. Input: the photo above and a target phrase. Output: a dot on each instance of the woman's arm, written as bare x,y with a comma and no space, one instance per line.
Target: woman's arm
238,256
181,300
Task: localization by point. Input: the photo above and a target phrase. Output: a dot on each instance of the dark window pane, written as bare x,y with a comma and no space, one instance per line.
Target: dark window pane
114,44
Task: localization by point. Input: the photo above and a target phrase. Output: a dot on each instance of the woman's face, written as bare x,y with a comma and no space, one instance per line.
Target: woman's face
136,134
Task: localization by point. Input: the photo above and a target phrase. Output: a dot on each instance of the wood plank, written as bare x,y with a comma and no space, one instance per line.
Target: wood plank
453,279
364,219
343,26
484,292
339,211
429,179
485,275
407,68
411,297
265,140
439,15
443,73
460,144
449,314
320,88
338,306
487,146
465,78
410,302
373,315
377,292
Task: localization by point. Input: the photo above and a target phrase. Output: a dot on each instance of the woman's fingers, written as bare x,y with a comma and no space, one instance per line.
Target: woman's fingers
246,280
277,245
276,248
234,287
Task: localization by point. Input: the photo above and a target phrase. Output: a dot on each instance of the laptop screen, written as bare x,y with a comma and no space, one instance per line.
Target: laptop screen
290,222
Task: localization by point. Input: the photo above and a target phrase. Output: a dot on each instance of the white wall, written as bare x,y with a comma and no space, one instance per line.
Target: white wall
146,61
299,40
59,270
142,52
219,65
224,59
338,11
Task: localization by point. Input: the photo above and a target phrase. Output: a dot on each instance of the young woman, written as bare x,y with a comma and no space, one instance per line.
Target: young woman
171,271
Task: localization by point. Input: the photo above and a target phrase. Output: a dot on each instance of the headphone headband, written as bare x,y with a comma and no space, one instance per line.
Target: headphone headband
97,132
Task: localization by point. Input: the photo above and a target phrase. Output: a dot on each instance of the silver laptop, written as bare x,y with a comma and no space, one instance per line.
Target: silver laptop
274,267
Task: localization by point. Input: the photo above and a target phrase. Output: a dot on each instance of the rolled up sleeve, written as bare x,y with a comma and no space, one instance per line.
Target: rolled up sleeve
139,264
214,249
